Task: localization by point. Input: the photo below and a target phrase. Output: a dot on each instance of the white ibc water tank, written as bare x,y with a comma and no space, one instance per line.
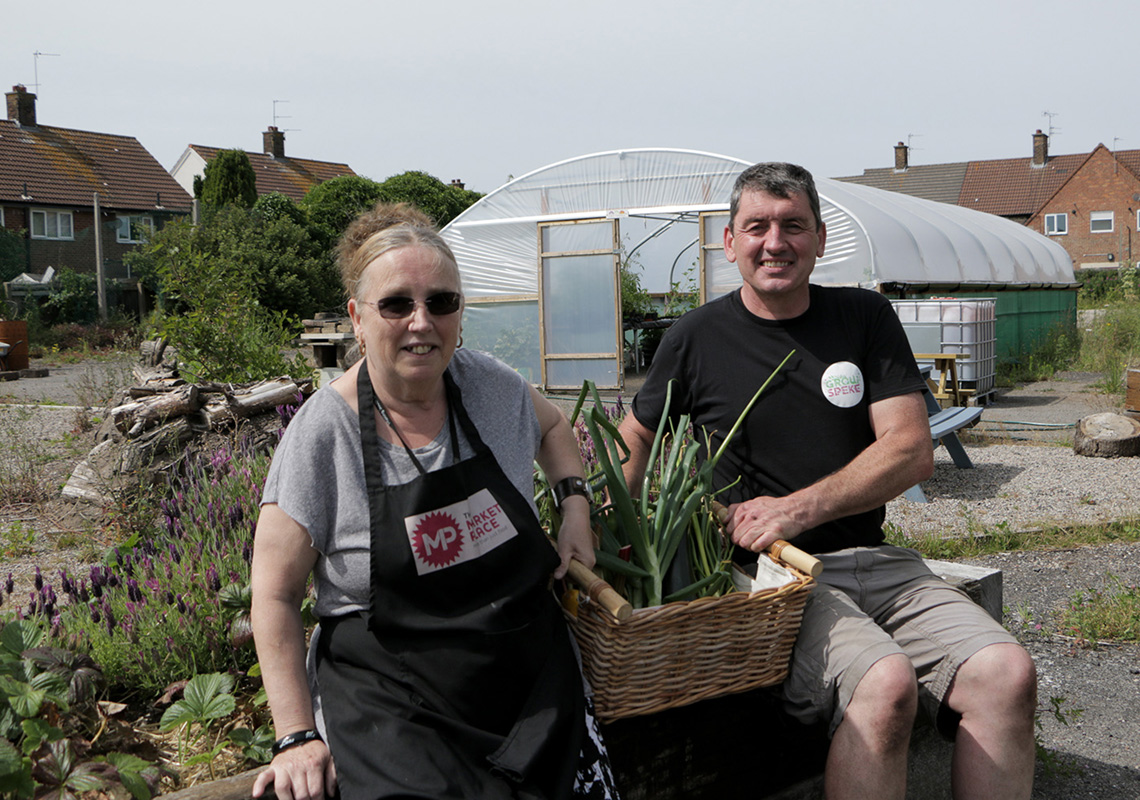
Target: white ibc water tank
955,325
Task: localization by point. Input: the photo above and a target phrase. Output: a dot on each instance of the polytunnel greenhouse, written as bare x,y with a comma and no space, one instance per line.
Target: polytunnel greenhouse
541,257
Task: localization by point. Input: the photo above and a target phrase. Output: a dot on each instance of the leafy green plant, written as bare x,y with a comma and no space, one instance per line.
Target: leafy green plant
205,700
1060,709
47,695
72,299
640,536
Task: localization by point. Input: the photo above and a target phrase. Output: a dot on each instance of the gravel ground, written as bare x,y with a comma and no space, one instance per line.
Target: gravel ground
1022,484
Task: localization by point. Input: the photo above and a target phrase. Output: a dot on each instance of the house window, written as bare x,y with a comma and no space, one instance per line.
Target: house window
52,225
1101,222
1056,224
134,229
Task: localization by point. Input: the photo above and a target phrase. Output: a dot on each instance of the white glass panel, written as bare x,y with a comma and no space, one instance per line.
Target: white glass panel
572,372
579,308
714,227
721,275
65,226
508,331
51,227
576,237
38,223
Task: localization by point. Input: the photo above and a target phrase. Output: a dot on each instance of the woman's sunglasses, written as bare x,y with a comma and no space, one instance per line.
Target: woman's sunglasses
438,305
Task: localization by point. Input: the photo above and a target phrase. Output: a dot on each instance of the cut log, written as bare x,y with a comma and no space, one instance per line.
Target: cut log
1107,435
134,418
155,386
259,399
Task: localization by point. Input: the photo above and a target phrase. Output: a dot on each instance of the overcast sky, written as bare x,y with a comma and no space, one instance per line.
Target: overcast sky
486,90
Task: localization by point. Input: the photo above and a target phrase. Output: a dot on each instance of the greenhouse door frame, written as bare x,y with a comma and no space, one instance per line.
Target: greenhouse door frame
564,252
710,227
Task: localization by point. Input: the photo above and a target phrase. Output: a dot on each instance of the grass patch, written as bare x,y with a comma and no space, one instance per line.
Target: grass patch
1003,538
1109,613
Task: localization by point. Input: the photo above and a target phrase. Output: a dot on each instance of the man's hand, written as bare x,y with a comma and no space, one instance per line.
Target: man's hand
758,522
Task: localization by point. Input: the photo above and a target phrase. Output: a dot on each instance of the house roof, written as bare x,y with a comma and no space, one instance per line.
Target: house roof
1011,187
940,182
1006,187
46,165
292,177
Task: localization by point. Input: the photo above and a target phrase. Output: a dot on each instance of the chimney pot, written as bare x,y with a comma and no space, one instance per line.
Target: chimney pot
901,151
21,106
457,183
1040,149
273,142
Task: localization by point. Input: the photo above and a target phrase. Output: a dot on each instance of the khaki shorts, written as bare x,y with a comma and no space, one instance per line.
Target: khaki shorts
872,602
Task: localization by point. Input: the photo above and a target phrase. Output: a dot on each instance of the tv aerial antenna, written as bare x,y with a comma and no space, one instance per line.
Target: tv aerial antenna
36,68
1052,130
277,116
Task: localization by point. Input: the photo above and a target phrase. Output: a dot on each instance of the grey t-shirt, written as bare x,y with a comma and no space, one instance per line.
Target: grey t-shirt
317,474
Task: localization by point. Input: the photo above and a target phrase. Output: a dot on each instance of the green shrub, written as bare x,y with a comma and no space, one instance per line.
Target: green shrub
154,612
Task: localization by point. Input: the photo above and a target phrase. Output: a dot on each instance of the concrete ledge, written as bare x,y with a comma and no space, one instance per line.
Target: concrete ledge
744,746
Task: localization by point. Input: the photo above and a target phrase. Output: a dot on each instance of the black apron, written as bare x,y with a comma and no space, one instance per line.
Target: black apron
460,681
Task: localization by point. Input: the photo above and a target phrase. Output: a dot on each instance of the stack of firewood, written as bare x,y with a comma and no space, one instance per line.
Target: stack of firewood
160,417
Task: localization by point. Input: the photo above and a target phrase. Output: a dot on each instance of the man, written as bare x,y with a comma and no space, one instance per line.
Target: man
840,431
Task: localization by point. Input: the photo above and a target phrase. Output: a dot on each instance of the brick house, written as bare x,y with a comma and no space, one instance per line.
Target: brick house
48,180
1095,214
1088,202
275,171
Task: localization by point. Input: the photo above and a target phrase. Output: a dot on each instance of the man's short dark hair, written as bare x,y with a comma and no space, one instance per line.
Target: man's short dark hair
779,180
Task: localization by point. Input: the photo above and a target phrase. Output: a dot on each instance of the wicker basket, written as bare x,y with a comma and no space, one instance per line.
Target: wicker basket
679,653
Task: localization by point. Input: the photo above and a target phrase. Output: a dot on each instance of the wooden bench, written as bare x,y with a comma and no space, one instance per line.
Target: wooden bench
944,426
945,387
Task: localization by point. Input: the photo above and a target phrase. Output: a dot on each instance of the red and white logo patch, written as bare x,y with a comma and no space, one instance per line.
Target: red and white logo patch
457,533
436,539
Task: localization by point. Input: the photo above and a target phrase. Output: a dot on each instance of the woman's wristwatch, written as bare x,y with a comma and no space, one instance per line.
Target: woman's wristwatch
294,739
567,487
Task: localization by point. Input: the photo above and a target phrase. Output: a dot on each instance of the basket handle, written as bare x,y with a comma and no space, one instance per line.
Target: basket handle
780,549
599,591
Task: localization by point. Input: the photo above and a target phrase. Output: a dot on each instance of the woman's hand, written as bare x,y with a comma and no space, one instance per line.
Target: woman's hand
575,538
305,772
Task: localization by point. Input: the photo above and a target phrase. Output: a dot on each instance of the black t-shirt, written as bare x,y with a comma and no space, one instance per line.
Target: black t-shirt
812,420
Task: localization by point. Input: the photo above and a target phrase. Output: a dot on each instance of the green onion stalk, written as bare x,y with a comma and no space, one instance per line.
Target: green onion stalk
640,535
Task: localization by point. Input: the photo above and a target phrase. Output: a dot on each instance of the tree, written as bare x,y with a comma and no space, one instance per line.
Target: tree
230,179
269,250
335,203
440,201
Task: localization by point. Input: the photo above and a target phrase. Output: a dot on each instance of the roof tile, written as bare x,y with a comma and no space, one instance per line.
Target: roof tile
292,177
61,166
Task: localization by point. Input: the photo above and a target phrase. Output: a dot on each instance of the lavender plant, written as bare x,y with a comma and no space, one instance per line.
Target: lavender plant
152,613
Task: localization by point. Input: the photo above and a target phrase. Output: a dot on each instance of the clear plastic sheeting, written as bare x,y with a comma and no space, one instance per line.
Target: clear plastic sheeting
874,238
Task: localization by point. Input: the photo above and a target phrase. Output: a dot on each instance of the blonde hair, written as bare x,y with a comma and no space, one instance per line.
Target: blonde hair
387,227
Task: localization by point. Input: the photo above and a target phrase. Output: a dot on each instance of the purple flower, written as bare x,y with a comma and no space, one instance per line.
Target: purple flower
212,579
133,591
39,580
108,616
10,584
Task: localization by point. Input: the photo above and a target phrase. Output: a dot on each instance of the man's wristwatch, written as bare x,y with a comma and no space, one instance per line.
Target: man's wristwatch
567,487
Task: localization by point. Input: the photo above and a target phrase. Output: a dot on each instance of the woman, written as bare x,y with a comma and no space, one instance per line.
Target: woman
445,668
